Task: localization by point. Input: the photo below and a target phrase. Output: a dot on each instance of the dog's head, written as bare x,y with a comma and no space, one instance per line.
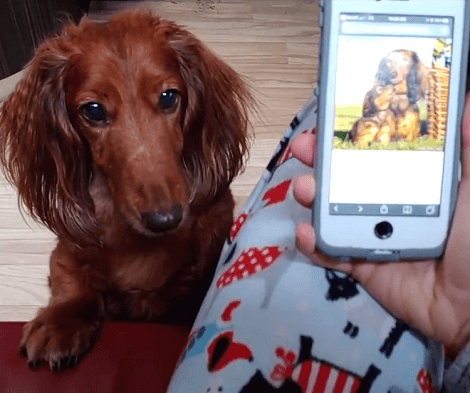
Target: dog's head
404,70
138,102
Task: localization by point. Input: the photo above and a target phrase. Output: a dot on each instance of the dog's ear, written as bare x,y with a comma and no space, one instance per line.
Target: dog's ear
384,75
413,80
368,107
41,153
216,120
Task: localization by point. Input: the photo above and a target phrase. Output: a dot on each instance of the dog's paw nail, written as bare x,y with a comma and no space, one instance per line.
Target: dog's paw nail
70,361
33,364
23,351
56,366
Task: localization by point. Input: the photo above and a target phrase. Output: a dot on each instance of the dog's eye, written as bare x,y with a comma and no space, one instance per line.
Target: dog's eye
168,99
94,112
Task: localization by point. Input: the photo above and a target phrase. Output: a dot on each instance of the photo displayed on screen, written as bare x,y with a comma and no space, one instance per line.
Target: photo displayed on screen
390,114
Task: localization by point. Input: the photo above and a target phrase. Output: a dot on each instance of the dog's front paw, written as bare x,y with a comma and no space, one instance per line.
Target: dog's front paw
56,338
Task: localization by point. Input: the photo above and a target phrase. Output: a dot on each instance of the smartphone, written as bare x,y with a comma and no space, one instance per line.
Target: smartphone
390,101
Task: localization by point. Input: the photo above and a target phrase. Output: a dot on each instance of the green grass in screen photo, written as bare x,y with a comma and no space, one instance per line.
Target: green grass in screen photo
345,117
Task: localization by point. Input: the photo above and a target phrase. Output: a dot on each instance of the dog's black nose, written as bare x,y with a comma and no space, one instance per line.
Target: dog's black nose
162,222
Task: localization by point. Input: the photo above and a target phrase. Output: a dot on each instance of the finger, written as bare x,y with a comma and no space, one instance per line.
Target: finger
465,122
305,239
459,233
303,148
304,190
456,262
306,242
362,271
465,154
453,275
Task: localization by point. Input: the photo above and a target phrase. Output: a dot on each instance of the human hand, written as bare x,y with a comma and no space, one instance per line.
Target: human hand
432,296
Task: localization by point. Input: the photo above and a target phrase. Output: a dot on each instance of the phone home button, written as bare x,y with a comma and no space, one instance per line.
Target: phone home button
383,230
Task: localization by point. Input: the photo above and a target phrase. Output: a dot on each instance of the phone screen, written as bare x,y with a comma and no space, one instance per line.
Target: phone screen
390,114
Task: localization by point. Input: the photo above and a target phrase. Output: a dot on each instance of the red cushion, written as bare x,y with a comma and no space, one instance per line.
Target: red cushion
127,357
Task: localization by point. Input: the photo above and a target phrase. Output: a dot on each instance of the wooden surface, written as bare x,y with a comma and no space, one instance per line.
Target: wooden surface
273,44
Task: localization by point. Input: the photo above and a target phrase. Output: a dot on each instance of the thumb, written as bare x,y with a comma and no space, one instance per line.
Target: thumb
458,246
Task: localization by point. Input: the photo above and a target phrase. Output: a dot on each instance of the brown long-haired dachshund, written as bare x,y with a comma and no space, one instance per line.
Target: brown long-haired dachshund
404,70
377,123
390,109
123,138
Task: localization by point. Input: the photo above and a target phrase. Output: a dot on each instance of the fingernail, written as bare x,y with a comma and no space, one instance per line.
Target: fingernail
305,239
